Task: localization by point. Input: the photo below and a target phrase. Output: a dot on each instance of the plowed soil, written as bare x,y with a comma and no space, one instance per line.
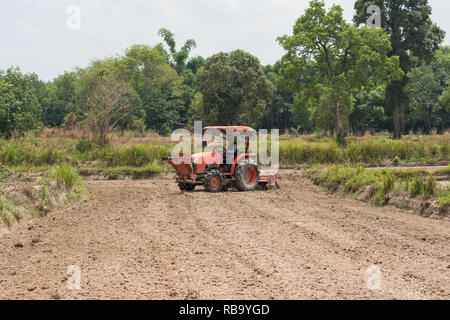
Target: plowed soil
145,239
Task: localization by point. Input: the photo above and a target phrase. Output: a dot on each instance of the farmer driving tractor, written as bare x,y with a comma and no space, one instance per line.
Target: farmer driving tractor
217,171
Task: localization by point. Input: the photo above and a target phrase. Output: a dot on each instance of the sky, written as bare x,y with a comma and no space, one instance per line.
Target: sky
48,38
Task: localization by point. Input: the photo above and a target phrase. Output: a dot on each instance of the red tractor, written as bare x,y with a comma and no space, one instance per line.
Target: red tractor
211,170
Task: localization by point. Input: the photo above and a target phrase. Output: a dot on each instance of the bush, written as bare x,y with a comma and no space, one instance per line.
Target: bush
396,160
445,200
67,176
70,121
19,153
62,176
84,145
417,186
8,213
430,186
388,180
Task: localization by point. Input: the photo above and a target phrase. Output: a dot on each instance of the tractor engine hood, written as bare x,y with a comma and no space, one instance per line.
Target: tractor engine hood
206,158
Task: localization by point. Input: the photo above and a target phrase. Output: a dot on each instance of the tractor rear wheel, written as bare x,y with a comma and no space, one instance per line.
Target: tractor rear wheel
246,177
213,181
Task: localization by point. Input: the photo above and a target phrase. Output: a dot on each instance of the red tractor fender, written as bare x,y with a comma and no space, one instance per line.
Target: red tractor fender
239,158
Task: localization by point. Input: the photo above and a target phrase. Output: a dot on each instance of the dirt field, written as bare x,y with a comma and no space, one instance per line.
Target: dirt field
147,240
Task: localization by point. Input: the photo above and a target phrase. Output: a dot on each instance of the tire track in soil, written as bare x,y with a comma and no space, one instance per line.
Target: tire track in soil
147,240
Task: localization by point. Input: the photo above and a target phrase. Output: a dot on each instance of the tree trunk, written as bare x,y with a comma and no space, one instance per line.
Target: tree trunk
363,126
397,120
428,119
339,127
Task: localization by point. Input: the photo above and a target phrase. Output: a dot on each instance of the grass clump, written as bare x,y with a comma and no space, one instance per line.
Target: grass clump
8,212
368,151
26,152
134,155
135,172
444,200
67,176
417,186
354,180
59,178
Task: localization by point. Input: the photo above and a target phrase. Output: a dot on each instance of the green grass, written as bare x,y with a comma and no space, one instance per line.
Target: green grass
8,212
353,180
60,182
445,170
67,176
60,178
135,172
39,154
133,155
367,151
34,154
444,200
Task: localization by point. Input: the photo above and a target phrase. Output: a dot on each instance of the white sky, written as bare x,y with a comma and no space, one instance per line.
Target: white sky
34,33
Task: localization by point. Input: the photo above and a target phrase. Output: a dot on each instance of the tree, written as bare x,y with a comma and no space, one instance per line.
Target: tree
179,58
63,99
164,96
110,101
281,112
20,110
426,84
234,88
327,58
412,33
443,57
368,112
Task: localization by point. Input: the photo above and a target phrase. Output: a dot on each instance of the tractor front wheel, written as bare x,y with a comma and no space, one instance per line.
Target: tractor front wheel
246,177
213,181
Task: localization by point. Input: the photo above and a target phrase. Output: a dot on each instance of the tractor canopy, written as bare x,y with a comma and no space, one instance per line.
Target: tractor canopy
225,128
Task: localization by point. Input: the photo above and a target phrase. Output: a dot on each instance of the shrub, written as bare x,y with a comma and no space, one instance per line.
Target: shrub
8,213
388,180
67,176
70,121
417,186
84,145
396,160
430,186
445,200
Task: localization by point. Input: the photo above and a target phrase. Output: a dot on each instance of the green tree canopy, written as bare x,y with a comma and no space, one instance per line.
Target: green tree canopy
20,109
63,95
412,33
234,89
426,83
327,58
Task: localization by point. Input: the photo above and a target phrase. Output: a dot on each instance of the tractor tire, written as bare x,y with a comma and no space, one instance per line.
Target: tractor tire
246,177
186,186
213,181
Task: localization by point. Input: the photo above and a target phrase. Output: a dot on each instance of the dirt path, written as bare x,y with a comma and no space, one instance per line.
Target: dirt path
147,240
